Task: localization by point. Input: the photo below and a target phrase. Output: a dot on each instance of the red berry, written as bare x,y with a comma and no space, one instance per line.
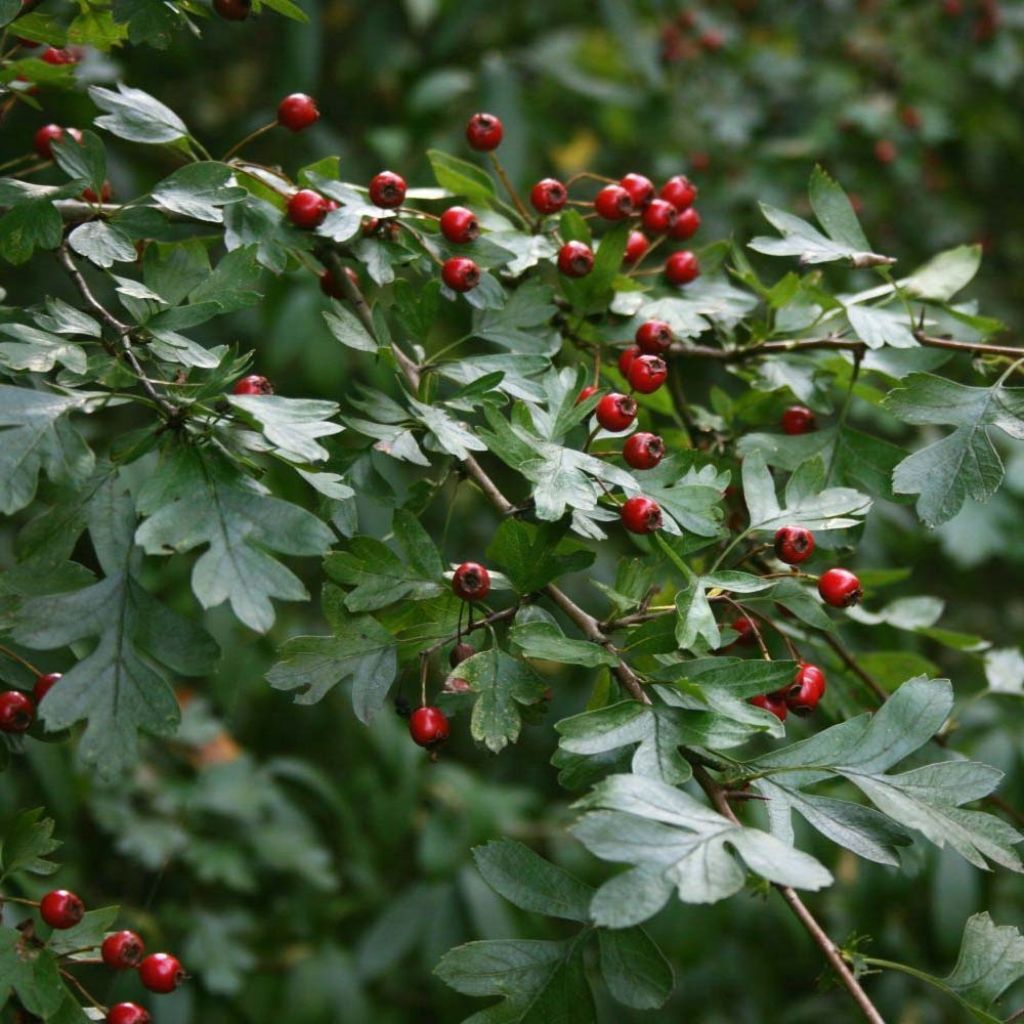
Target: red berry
911,117
794,544
128,1013
331,287
44,684
297,111
953,8
640,189
459,225
429,726
660,217
647,374
575,259
590,389
798,419
53,55
161,972
885,151
626,359
61,909
643,451
772,702
122,950
807,689
106,194
461,274
549,195
679,191
613,202
641,515
233,10
682,267
16,711
747,634
254,384
307,209
47,135
686,225
839,588
616,412
484,132
712,40
654,337
471,582
387,189
636,245
460,652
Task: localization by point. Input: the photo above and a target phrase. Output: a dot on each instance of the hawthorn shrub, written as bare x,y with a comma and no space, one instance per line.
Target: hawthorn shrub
581,444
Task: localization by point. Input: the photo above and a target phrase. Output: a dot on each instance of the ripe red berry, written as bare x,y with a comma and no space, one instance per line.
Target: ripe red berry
682,267
471,582
660,217
712,40
461,274
590,389
297,111
233,10
128,1013
54,55
106,194
772,702
613,202
47,135
686,225
647,374
459,225
626,359
807,689
839,588
460,652
307,209
798,419
636,245
679,191
641,515
61,909
254,384
640,189
332,288
429,726
387,189
575,259
122,950
616,412
161,972
549,196
484,132
643,451
885,151
654,337
745,628
16,711
793,544
44,684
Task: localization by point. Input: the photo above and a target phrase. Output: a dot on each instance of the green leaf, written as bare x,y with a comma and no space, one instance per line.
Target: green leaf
1004,671
690,496
461,178
532,556
877,327
348,329
38,351
134,115
634,969
292,425
102,244
27,227
546,641
87,934
945,274
9,10
199,191
82,161
835,212
991,959
26,843
286,7
31,971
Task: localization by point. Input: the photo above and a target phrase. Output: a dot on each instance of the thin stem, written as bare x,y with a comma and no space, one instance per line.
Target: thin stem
20,660
251,137
753,625
510,188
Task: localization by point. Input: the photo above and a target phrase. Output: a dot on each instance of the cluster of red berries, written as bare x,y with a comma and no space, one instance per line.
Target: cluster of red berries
18,710
801,697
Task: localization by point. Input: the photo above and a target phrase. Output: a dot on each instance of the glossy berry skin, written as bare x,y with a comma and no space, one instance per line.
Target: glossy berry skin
745,628
575,259
679,191
616,412
590,389
471,582
839,588
613,202
161,972
44,684
643,451
807,689
641,515
686,225
793,544
330,286
54,55
682,267
61,909
47,135
654,337
772,702
254,384
307,209
387,189
798,419
106,194
128,1013
660,217
549,195
640,189
233,10
636,246
484,132
459,225
461,274
647,374
429,726
122,950
16,711
626,359
297,112
460,652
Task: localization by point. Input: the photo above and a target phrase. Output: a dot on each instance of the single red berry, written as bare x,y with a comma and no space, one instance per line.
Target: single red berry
682,267
122,950
61,909
233,10
839,588
654,337
254,384
640,189
387,189
807,689
461,274
793,544
911,117
55,55
429,726
297,111
44,684
616,412
549,195
641,515
459,225
626,359
590,389
484,132
660,217
885,151
369,227
636,246
686,225
332,288
647,374
613,202
307,209
50,133
747,634
712,40
161,972
471,582
575,259
460,652
16,711
679,191
772,702
106,194
798,419
128,1013
643,451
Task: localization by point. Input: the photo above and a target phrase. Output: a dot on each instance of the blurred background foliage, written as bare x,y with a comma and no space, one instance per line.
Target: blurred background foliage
313,871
